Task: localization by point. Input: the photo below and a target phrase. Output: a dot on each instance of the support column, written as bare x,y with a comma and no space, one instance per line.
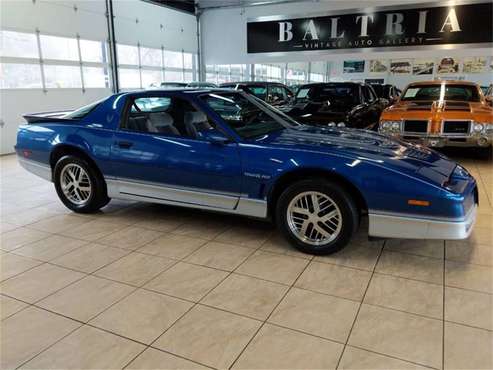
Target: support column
115,86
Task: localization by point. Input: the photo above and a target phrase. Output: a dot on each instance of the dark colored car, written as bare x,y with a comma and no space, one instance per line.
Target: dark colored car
386,91
274,93
202,85
354,104
172,85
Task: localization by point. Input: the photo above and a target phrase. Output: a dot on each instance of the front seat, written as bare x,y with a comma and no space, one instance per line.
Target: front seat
195,122
161,122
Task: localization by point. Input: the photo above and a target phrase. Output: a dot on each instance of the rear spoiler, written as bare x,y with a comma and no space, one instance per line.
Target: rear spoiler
45,117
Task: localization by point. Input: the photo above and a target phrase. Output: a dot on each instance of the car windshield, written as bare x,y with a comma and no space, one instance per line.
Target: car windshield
335,93
441,92
247,115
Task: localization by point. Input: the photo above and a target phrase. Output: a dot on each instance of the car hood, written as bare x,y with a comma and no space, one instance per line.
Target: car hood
410,159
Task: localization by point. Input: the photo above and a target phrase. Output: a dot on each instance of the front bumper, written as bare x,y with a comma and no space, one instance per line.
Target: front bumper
449,141
386,225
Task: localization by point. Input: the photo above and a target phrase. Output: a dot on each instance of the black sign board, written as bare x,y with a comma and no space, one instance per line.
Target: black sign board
380,28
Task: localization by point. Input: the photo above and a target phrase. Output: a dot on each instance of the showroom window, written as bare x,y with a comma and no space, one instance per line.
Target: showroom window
141,67
127,54
316,77
15,76
59,48
36,60
222,73
151,57
18,44
295,76
57,76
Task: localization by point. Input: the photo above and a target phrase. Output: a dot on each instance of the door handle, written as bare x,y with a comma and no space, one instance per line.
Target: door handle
124,144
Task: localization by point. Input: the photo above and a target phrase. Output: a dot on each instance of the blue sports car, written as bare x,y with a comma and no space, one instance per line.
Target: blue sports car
228,151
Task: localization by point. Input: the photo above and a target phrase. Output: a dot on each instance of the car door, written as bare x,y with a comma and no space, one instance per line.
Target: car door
157,156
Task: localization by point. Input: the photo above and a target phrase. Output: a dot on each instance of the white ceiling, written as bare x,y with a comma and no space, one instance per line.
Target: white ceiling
242,3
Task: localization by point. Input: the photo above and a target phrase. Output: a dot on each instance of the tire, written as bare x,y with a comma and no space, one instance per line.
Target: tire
333,199
71,167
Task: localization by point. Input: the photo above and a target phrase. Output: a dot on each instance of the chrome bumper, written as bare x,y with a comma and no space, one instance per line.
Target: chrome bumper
37,168
451,141
403,227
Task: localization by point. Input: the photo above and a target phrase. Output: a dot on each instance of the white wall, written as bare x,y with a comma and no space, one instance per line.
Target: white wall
135,22
67,18
140,22
224,39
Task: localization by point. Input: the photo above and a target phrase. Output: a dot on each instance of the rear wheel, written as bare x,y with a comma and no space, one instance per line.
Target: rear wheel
79,186
317,216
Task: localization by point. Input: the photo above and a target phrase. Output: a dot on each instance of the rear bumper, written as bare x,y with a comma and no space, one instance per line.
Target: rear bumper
37,168
404,227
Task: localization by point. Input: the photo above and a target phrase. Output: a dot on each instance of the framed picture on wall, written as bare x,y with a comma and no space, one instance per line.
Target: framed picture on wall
379,66
474,65
374,80
353,66
452,77
400,66
423,66
448,65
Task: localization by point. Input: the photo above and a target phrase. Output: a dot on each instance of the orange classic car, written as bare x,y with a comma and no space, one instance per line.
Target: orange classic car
441,113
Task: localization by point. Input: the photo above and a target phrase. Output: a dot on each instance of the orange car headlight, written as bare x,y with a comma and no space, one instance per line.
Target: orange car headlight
478,127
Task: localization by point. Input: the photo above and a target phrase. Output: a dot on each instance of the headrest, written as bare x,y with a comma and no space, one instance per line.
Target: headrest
161,119
195,117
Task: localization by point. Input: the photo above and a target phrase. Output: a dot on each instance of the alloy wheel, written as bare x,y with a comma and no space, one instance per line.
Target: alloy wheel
314,218
75,184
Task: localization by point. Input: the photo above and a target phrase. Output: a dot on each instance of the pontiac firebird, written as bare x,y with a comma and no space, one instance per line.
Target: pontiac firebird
228,151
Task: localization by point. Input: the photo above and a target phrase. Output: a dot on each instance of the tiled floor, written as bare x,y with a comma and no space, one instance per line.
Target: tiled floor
142,286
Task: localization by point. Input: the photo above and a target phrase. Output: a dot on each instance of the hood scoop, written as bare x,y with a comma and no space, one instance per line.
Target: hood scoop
457,106
419,106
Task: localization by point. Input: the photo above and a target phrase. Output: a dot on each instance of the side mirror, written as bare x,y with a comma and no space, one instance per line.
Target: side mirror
213,136
489,100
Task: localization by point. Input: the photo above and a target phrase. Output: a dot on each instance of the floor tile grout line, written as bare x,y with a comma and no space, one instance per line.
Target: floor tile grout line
51,345
360,305
85,276
229,272
391,356
232,312
19,273
177,261
270,314
96,241
215,268
195,304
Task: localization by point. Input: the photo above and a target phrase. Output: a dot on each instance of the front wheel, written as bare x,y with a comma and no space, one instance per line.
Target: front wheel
317,216
79,186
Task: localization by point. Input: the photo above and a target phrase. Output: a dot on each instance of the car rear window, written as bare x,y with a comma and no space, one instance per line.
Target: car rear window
84,111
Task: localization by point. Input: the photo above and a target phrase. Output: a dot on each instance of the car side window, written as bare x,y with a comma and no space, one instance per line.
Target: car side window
278,94
367,94
170,116
259,91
